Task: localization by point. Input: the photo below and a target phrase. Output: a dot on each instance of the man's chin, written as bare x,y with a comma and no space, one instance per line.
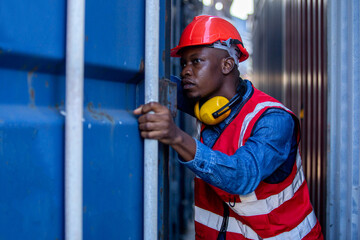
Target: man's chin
192,97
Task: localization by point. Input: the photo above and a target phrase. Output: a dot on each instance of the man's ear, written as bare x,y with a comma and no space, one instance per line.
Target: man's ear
228,65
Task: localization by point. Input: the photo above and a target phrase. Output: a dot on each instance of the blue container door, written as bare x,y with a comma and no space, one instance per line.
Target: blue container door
32,45
32,113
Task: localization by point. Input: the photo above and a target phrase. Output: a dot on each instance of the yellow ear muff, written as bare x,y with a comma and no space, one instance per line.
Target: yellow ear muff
205,113
197,111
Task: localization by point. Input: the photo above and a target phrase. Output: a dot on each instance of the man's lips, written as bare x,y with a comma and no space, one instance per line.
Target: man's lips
187,84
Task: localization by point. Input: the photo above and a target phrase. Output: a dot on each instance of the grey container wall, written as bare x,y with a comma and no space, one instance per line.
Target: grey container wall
343,180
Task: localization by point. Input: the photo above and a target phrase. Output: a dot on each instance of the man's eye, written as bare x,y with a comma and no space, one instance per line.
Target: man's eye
197,60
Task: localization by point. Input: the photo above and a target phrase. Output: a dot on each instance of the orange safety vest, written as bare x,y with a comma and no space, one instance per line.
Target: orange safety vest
273,211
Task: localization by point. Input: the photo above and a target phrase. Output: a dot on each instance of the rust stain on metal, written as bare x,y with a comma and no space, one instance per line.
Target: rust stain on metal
101,116
32,94
30,76
142,66
31,72
98,114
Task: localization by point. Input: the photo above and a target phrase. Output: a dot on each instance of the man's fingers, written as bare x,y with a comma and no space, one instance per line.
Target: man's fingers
152,134
154,122
138,111
155,117
151,106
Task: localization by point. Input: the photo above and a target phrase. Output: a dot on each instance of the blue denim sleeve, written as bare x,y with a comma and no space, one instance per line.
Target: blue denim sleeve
264,152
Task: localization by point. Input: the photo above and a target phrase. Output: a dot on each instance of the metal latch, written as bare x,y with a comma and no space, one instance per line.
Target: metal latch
167,95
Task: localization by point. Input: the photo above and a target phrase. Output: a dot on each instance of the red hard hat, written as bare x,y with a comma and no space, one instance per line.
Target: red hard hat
205,30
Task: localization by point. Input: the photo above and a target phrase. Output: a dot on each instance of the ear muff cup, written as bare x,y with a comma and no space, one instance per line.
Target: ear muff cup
205,112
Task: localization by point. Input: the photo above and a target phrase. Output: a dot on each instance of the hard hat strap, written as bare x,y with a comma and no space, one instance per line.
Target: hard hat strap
230,47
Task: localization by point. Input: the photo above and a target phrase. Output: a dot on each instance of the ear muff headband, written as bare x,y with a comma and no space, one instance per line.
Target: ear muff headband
227,106
215,110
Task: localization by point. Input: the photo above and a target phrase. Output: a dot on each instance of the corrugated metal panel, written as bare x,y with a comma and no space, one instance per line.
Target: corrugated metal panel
343,204
305,81
268,47
298,77
32,96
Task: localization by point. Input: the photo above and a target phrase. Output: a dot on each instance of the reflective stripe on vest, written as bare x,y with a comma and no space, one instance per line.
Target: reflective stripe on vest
300,231
214,221
265,206
251,115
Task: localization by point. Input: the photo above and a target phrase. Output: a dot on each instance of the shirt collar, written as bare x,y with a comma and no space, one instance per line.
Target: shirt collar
216,130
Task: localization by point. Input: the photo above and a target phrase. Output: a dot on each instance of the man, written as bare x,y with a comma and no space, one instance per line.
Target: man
250,183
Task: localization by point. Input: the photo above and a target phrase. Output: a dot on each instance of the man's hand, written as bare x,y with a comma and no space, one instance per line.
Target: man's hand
156,122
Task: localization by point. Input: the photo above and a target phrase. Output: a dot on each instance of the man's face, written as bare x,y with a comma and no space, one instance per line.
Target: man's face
201,72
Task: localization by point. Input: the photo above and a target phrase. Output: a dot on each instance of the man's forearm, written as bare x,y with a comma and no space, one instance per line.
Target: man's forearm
185,146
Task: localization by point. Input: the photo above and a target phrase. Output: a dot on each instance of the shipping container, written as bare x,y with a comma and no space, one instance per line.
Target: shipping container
33,43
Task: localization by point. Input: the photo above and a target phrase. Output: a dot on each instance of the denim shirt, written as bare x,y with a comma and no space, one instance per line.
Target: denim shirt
268,155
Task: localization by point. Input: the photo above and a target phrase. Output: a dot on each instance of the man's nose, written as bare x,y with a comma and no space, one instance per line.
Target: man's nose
186,71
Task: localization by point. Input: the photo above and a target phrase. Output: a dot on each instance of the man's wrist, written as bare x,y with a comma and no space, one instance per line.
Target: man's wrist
184,145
